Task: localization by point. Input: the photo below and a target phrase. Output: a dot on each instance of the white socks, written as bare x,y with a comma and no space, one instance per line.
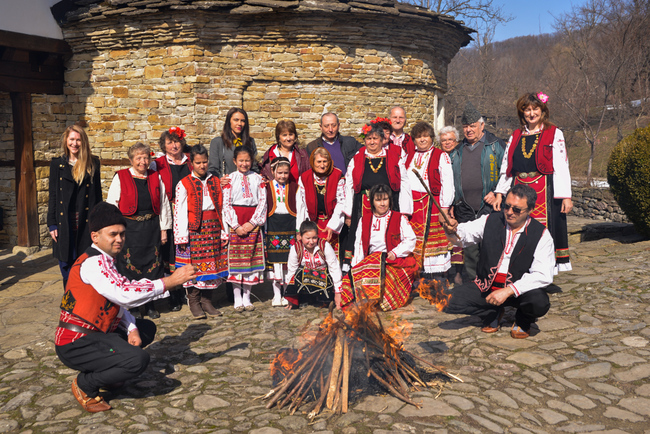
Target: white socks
236,290
247,295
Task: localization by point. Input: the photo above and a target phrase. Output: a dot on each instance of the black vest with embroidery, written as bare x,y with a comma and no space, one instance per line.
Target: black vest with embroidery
493,244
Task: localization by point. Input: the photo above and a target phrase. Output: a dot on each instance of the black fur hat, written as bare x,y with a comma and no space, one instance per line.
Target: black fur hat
104,214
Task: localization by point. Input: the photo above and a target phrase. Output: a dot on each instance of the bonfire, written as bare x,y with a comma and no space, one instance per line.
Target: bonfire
346,354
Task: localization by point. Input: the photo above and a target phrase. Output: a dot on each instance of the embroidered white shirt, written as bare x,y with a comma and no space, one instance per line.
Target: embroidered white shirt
377,242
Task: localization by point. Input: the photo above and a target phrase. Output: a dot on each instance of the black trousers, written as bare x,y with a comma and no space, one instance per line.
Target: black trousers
468,299
107,358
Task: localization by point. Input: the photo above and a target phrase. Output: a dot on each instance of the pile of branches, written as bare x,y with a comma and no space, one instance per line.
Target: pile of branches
320,372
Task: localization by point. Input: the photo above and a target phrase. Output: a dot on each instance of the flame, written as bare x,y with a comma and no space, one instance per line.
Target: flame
434,293
284,362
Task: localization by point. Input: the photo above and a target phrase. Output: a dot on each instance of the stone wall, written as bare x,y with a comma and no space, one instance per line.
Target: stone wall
597,204
136,71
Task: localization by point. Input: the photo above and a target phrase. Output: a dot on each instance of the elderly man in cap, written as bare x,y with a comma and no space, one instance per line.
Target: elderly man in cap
480,152
341,148
96,334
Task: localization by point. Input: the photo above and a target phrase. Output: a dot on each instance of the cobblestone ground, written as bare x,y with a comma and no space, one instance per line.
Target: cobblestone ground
585,370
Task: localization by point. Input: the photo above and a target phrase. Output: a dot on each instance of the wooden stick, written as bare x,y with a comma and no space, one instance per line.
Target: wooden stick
336,367
321,399
433,199
438,368
347,360
392,390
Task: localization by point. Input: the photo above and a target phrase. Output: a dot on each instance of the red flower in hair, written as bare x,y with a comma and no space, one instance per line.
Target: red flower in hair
177,131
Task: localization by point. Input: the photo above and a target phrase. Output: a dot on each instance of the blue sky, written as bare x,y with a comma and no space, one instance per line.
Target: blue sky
531,17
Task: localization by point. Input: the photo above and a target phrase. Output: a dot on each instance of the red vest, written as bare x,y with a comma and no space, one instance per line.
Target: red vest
166,173
128,202
300,249
407,144
194,188
393,232
83,301
330,192
289,198
543,153
435,184
392,167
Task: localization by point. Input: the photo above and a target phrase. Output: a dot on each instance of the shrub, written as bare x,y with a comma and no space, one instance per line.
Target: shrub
628,174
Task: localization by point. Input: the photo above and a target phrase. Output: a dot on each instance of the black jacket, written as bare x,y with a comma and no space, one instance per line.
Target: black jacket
349,147
89,193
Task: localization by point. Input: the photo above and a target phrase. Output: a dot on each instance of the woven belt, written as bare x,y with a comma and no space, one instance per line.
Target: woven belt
77,329
141,218
524,175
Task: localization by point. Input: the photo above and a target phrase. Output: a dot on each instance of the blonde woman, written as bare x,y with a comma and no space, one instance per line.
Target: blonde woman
75,188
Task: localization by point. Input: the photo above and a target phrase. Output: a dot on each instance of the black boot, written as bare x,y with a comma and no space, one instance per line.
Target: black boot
151,310
176,299
136,313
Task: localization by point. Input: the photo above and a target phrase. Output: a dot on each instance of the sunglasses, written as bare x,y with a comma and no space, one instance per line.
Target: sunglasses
515,209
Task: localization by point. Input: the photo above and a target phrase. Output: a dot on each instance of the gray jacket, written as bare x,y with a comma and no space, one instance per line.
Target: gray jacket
222,157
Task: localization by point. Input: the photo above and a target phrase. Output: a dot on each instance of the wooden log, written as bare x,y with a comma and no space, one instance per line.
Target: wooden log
392,390
336,367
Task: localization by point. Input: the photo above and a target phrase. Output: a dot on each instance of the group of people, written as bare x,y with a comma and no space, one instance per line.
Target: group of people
338,221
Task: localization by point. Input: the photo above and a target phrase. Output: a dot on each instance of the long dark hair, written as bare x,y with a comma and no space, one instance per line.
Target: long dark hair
228,136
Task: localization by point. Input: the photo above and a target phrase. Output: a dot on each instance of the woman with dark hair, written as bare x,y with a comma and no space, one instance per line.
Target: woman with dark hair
376,163
197,233
536,156
321,196
140,195
286,145
235,133
430,173
173,166
75,188
383,266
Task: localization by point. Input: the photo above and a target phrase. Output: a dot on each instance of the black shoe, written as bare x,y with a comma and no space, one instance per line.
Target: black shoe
153,313
136,313
173,307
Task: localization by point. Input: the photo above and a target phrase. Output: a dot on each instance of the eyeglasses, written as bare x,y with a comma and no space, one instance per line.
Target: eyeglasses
515,209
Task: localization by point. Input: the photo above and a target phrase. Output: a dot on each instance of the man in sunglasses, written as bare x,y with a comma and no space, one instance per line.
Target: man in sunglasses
515,265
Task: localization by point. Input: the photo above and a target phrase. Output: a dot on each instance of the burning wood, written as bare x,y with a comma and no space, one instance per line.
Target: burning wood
321,372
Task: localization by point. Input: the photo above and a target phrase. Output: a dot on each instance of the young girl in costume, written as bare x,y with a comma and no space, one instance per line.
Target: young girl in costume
313,271
280,225
244,213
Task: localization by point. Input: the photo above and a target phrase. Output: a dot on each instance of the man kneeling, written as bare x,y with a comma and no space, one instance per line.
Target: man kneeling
516,262
96,303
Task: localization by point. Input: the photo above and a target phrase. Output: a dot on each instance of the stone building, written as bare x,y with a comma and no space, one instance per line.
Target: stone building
135,68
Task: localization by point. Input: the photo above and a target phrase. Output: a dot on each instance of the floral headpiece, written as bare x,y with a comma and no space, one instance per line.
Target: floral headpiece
177,131
366,128
542,97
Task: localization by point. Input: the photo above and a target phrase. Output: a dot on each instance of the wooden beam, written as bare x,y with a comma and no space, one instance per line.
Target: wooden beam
23,41
27,70
26,205
30,85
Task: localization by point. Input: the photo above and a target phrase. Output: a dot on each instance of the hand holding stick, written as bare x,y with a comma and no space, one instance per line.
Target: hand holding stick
449,227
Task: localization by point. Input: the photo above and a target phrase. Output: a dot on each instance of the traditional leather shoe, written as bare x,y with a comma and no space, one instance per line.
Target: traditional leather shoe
249,308
91,405
239,309
519,333
495,325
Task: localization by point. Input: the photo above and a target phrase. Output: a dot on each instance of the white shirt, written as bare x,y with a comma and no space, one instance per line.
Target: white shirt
540,273
561,175
447,189
99,271
313,260
337,219
377,242
115,192
244,190
181,216
405,193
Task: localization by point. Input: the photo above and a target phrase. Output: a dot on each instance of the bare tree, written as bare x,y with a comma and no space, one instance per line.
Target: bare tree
591,63
478,12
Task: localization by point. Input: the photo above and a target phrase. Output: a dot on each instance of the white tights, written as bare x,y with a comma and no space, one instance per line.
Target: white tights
242,293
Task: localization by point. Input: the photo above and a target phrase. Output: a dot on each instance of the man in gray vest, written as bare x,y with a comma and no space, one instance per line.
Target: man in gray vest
480,152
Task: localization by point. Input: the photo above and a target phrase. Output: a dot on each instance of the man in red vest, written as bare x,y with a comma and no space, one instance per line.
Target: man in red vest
97,335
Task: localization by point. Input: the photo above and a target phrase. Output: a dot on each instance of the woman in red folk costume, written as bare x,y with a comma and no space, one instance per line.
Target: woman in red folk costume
321,197
383,266
434,176
197,233
173,166
140,195
536,156
376,163
286,145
